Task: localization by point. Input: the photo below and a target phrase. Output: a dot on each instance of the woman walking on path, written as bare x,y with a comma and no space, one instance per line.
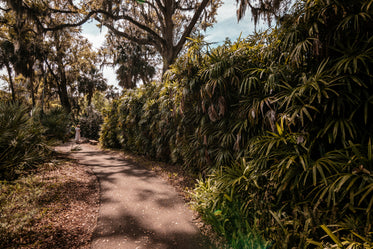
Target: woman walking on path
77,134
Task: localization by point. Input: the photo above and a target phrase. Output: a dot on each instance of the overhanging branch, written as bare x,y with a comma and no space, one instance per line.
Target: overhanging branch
191,25
129,37
70,25
131,20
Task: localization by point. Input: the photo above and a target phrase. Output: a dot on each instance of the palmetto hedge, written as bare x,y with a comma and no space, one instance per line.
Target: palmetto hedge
279,124
22,144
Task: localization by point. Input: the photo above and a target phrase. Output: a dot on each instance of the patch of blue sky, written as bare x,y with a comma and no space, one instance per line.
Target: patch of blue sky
227,25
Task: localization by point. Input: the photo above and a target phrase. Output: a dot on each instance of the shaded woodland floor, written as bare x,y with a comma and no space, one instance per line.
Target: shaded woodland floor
55,207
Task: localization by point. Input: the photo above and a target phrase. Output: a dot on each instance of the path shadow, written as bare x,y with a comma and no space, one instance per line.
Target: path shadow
122,220
161,198
131,228
109,166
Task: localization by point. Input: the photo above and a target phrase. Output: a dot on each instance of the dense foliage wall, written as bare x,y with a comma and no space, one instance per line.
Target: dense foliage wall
90,123
279,125
55,123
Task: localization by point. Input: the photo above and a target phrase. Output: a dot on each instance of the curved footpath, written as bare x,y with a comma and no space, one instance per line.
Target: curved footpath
138,209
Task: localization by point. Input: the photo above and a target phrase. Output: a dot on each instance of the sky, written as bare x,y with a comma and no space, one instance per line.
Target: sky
226,26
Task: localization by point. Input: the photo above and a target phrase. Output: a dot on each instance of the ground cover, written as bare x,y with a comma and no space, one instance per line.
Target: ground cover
54,207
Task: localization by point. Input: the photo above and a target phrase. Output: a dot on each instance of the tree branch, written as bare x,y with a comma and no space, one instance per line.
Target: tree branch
191,25
6,10
160,17
162,7
63,11
131,38
131,20
70,25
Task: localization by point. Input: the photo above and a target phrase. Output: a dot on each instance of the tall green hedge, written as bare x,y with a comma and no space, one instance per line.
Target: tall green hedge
279,125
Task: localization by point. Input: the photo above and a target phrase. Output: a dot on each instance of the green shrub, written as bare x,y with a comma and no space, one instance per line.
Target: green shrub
90,123
222,206
110,132
56,123
22,145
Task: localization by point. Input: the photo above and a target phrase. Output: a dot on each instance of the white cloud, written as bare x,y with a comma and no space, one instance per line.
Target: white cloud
227,10
94,34
96,40
229,29
110,75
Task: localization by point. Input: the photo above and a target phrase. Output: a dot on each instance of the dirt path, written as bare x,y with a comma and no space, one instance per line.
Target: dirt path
138,209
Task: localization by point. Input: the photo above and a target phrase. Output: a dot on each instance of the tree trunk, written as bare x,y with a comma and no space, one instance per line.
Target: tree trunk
89,97
31,86
63,85
61,88
64,98
168,59
11,85
44,77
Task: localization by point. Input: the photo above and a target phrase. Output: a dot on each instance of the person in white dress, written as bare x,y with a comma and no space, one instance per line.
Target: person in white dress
77,134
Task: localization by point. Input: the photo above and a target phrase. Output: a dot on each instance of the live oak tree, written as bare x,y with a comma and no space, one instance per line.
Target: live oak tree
23,41
40,33
162,24
90,82
69,58
44,16
26,23
134,62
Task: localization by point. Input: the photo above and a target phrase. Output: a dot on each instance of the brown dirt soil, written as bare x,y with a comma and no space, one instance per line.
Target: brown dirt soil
76,217
66,213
